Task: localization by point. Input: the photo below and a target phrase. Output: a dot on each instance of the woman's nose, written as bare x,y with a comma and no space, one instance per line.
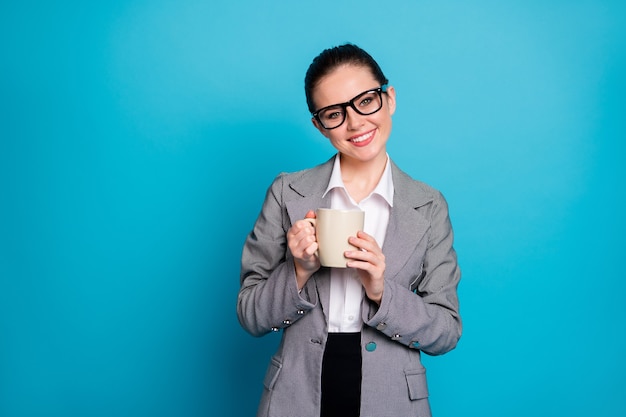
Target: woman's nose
353,119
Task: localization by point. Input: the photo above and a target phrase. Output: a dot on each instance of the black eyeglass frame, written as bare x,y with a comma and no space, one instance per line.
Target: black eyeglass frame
380,90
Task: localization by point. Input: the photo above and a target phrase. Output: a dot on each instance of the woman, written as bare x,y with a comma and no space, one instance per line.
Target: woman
352,337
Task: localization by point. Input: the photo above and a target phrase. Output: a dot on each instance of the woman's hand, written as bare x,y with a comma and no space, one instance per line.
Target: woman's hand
369,263
303,246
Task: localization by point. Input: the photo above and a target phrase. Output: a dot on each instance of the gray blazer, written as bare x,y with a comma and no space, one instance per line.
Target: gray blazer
419,311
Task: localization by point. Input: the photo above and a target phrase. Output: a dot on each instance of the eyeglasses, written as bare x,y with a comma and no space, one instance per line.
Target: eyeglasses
368,102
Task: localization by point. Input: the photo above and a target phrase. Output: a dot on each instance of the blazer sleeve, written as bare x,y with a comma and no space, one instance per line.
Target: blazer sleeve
268,298
426,316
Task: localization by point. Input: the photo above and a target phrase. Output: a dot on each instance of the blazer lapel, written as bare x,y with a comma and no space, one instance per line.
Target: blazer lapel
406,225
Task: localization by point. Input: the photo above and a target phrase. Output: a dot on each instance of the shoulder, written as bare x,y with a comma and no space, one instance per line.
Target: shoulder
307,181
413,191
305,173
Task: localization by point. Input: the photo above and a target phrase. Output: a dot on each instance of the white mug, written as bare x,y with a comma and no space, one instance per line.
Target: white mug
333,227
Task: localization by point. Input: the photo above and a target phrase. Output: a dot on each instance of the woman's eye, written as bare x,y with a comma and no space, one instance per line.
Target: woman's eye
333,115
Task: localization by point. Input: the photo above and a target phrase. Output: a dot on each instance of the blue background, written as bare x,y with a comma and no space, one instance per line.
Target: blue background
138,139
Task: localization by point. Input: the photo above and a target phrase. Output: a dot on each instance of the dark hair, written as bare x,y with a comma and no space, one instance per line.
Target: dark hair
330,59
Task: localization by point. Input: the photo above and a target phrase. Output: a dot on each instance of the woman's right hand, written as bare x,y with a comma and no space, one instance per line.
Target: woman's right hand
303,246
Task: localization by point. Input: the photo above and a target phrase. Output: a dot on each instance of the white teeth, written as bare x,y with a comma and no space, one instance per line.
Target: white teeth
362,138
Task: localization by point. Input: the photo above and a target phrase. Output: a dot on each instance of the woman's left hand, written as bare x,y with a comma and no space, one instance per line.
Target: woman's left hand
369,263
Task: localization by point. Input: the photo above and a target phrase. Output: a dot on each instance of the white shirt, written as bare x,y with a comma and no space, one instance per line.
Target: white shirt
346,291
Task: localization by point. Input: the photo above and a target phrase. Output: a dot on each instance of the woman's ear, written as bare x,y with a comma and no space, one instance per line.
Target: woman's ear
391,99
318,126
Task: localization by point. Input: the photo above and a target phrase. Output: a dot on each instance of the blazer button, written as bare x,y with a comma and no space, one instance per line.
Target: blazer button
370,347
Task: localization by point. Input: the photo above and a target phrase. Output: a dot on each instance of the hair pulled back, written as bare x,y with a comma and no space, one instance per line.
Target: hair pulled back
332,58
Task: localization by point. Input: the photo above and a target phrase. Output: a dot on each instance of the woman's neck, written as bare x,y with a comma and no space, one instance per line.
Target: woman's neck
361,177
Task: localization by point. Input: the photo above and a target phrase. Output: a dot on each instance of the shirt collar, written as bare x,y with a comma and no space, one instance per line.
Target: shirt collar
384,188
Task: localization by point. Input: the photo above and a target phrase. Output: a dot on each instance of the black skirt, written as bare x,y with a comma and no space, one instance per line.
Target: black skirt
341,376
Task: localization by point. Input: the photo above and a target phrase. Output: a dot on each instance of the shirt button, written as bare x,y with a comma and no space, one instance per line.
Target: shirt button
370,347
351,318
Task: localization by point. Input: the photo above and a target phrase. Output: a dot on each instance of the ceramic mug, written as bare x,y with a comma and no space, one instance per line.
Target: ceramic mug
333,227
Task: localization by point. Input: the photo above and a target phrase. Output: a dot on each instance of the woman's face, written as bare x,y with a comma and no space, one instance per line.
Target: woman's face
360,138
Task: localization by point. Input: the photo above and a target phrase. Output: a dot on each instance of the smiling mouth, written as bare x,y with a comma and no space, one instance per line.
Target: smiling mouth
362,138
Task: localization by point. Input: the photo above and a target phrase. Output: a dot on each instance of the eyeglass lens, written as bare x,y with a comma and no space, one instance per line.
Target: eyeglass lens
365,103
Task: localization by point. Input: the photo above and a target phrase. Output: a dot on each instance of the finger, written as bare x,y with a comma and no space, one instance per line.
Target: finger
369,245
310,250
300,229
299,240
362,235
364,257
374,266
367,271
304,240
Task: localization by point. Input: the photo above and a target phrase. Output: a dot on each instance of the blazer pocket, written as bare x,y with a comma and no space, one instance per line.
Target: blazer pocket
416,382
271,375
415,283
